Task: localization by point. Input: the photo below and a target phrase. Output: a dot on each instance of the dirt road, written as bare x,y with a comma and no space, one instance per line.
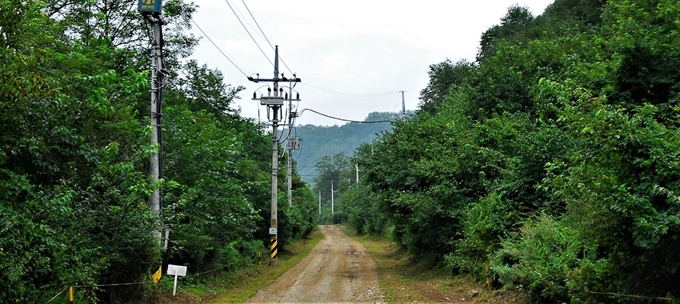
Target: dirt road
338,270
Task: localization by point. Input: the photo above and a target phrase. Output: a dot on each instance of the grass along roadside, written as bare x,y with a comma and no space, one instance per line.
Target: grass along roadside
239,286
404,280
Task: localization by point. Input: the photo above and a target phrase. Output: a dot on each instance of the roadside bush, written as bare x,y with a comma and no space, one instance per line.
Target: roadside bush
241,253
294,223
363,213
548,259
485,225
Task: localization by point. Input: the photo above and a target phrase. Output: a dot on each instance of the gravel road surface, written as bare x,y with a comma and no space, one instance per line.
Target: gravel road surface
338,270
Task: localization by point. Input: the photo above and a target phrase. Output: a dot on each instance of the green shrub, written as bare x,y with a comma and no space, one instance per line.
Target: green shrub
548,259
485,224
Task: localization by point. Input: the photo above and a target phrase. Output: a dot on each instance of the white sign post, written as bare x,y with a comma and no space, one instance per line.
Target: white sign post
176,270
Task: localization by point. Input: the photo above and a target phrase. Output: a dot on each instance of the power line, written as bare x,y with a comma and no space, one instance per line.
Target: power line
247,31
347,120
280,136
264,35
218,48
250,26
346,94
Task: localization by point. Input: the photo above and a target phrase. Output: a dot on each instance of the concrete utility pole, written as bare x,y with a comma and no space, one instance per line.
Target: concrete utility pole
289,173
332,199
357,169
319,202
403,106
151,10
273,104
292,143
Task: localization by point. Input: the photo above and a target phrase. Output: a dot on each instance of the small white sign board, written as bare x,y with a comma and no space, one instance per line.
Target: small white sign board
177,271
272,230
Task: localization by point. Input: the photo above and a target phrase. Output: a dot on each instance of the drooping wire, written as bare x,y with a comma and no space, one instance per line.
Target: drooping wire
349,120
247,31
280,137
265,36
291,123
218,48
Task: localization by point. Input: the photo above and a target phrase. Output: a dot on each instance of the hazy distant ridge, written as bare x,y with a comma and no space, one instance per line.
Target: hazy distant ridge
318,141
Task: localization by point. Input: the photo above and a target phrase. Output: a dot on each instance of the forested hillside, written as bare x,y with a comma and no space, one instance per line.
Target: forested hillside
553,158
74,156
319,141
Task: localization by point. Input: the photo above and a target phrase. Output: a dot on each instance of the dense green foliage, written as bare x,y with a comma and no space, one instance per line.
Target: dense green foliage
553,158
75,147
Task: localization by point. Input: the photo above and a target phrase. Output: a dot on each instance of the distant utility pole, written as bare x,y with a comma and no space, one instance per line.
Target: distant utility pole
273,104
319,202
151,10
403,106
357,169
292,143
289,169
332,199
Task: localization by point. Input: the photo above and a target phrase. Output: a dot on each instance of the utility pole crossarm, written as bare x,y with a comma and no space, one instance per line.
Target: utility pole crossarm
284,79
274,104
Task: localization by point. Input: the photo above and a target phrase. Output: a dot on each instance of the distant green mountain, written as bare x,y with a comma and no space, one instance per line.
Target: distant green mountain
318,141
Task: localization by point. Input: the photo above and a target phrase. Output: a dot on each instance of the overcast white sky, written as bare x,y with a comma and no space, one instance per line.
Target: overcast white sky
353,56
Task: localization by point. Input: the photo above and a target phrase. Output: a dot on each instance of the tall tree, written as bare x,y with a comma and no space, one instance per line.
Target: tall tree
444,77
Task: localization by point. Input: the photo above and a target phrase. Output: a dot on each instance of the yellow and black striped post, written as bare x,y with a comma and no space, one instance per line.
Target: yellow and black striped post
273,249
70,294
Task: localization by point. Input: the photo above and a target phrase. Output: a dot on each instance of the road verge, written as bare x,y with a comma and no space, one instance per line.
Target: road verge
405,280
238,286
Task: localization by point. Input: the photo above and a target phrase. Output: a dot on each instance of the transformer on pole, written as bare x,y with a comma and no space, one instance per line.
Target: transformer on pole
273,104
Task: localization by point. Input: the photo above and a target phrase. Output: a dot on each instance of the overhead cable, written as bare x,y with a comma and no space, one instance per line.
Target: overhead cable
346,94
265,35
348,120
218,48
247,31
